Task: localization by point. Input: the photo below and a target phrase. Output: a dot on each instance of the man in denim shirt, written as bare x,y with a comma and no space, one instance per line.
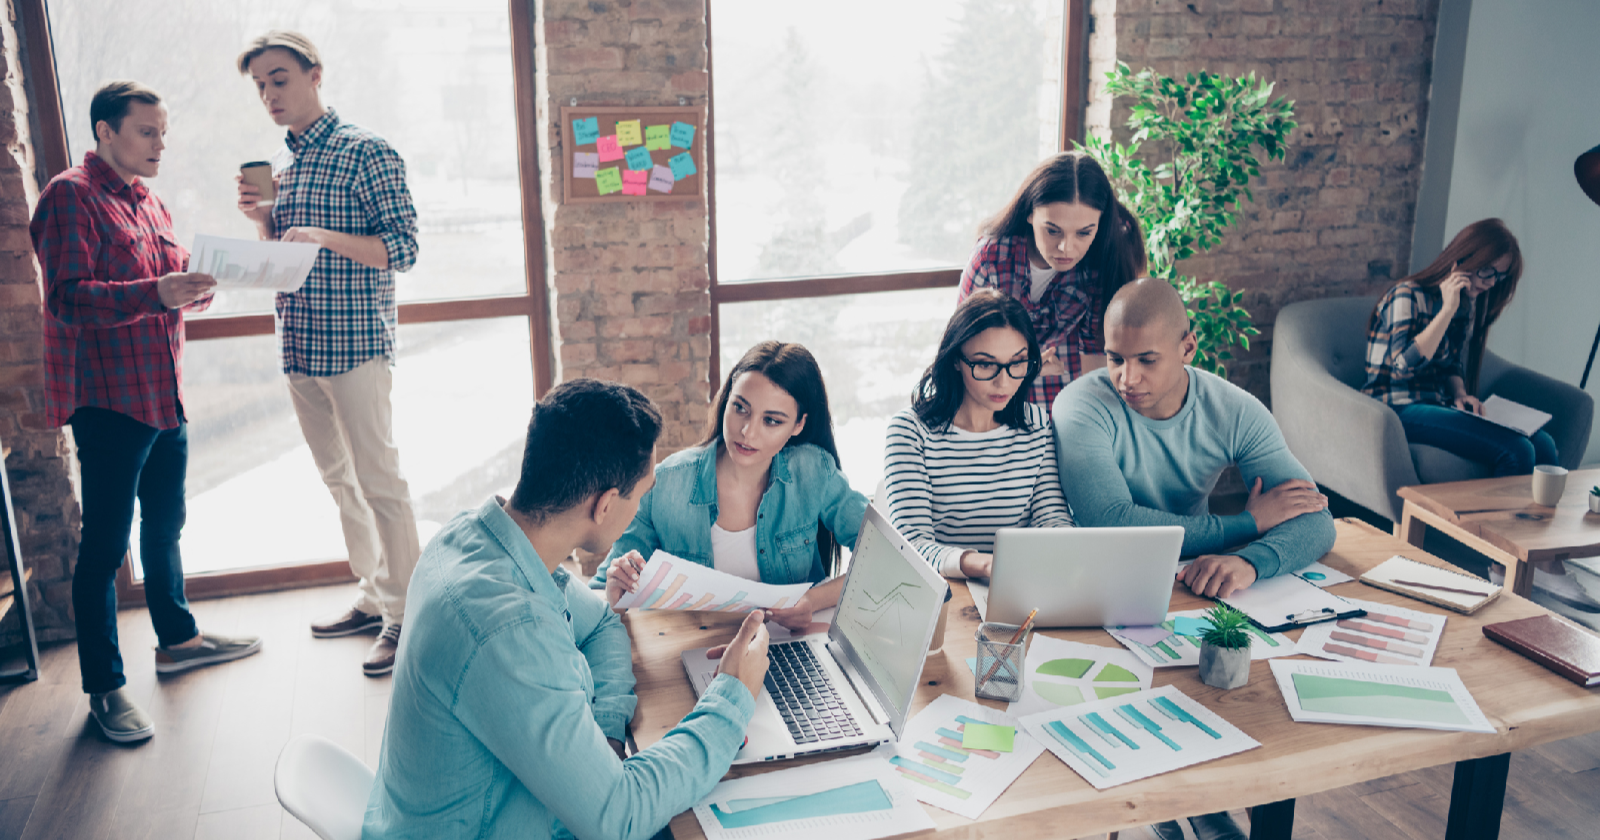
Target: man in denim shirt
510,681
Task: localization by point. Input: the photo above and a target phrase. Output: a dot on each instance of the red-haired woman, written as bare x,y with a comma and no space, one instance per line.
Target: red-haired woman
1426,342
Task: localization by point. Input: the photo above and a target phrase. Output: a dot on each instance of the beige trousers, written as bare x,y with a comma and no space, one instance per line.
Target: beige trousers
347,421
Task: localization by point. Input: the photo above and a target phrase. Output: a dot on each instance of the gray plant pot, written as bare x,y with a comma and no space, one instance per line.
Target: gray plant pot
1224,668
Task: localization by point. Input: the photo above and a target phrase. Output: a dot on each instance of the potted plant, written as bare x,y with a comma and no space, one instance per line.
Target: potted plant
1594,499
1225,648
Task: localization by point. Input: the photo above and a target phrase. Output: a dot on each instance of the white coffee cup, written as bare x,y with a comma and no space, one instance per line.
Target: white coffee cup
1549,482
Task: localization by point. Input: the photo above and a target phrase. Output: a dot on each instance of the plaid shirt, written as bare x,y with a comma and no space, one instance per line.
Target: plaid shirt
1397,372
345,179
108,340
1067,317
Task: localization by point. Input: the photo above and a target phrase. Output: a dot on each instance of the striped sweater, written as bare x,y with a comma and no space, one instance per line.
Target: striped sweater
949,490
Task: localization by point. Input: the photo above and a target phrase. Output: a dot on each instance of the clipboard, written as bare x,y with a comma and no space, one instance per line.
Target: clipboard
1289,601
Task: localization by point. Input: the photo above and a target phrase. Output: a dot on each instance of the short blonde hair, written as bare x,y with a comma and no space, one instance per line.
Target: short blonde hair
298,45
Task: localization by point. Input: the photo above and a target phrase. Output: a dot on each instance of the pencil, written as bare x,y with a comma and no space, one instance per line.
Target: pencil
1023,628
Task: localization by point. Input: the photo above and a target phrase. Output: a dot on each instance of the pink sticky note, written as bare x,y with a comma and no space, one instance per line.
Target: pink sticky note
609,148
633,183
661,179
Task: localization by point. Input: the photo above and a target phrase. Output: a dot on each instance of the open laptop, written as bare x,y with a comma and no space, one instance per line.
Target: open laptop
852,687
1081,577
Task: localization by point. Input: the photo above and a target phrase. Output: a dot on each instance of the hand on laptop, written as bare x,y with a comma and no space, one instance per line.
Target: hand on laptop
745,658
1218,575
623,577
1283,503
977,564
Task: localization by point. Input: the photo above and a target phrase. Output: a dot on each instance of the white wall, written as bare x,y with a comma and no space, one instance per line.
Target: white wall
1529,107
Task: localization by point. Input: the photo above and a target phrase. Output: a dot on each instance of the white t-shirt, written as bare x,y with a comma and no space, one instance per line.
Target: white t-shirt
1041,278
734,552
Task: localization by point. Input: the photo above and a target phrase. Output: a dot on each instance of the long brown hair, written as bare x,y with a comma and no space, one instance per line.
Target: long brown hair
790,367
1477,245
1117,254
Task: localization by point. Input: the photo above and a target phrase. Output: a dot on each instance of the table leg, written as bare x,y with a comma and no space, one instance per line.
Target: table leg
1477,797
1273,821
1410,528
1519,577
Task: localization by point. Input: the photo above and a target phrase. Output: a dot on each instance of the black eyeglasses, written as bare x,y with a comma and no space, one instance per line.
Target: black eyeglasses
1489,272
985,371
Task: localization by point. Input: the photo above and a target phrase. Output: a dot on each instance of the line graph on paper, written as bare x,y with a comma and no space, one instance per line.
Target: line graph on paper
672,583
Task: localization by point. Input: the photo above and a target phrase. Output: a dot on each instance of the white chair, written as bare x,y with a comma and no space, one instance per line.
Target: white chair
324,786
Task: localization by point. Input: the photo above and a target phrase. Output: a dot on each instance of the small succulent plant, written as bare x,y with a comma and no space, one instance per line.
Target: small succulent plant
1228,628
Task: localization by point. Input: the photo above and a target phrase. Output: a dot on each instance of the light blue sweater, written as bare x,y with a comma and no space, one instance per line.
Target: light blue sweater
1119,467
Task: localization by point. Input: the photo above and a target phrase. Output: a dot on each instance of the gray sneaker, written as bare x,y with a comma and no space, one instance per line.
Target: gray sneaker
119,717
213,648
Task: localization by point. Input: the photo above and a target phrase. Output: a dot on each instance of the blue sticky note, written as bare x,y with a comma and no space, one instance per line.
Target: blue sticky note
586,131
638,158
682,166
682,135
1186,626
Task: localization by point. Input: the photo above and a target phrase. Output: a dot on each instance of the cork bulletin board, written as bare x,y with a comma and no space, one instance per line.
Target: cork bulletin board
617,153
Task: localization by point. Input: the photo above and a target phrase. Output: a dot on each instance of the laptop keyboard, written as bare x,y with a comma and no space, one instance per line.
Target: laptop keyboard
805,697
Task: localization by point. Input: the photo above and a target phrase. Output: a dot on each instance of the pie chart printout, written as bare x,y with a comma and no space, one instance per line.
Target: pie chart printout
1063,673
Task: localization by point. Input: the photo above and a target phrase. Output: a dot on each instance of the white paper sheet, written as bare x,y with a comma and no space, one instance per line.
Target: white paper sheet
1402,696
1104,759
672,583
1323,576
252,263
1378,638
857,798
1275,601
944,775
1177,651
1513,415
1060,673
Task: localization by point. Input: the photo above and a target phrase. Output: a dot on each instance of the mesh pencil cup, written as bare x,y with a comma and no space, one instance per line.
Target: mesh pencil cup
999,671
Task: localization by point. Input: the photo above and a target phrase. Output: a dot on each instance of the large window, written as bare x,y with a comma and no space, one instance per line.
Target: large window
441,83
857,147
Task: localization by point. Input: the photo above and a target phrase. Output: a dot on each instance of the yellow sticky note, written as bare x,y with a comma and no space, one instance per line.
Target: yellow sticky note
628,133
984,736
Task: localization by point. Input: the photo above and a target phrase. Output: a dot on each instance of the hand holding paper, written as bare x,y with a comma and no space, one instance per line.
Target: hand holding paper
253,264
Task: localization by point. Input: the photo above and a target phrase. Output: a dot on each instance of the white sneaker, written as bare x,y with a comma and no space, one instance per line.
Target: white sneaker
119,717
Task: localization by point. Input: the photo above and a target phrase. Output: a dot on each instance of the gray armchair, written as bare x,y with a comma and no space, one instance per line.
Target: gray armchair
1352,443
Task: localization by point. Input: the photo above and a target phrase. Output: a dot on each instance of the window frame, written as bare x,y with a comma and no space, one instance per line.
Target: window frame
53,157
1076,26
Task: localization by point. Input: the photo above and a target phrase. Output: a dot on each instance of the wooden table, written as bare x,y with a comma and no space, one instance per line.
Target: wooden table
1527,704
1497,518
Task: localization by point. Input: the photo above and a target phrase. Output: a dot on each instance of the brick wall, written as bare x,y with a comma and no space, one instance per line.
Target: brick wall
1335,218
39,466
630,281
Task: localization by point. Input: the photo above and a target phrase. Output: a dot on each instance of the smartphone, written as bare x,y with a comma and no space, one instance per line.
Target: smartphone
259,173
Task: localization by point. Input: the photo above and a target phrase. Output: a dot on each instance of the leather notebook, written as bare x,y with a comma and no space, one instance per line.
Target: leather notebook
1553,643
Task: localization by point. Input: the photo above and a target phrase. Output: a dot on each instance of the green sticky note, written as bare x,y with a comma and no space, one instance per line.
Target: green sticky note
608,181
657,137
985,736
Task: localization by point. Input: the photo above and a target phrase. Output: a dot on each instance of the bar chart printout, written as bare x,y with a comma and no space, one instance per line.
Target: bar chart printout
943,773
1134,736
253,264
858,798
1405,696
1175,642
672,583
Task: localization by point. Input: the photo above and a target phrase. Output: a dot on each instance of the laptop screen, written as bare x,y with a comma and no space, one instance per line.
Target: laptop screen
886,611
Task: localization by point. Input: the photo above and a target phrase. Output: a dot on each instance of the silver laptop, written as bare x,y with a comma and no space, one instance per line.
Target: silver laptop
854,686
1081,577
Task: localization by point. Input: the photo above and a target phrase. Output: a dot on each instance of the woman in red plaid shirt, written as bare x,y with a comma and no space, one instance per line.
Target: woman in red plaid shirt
1061,247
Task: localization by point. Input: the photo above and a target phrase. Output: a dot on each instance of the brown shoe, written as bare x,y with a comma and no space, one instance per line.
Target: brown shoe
380,660
353,621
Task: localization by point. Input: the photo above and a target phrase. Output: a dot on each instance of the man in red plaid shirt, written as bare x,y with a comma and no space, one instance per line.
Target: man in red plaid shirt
115,292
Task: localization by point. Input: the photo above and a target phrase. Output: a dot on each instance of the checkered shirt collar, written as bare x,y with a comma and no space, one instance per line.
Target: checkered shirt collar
101,174
315,133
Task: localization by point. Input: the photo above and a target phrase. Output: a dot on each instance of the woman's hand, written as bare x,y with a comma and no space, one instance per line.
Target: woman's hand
1451,288
622,577
796,618
1050,364
977,564
1467,402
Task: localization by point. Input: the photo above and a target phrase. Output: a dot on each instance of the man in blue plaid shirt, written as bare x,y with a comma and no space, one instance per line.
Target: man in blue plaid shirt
343,188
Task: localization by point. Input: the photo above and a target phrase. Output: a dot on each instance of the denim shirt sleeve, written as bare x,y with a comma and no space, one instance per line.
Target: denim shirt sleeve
641,536
516,698
603,640
843,507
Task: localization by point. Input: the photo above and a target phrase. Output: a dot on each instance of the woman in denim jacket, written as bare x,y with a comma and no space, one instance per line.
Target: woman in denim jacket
761,497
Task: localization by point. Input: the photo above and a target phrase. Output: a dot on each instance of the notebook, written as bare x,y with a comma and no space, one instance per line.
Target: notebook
1457,591
1553,643
1513,415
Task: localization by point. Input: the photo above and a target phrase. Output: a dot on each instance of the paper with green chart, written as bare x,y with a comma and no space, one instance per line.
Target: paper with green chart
1061,673
932,758
1135,736
857,798
1405,696
1176,642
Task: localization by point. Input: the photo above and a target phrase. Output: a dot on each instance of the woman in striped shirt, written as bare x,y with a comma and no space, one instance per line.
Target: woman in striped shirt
972,454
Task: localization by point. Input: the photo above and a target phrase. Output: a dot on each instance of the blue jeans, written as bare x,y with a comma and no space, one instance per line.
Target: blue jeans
121,459
1508,452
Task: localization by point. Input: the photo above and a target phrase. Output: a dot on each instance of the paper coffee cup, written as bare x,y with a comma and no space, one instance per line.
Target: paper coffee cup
1549,482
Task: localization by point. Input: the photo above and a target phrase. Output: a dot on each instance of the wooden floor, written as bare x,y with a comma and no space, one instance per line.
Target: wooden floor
208,771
